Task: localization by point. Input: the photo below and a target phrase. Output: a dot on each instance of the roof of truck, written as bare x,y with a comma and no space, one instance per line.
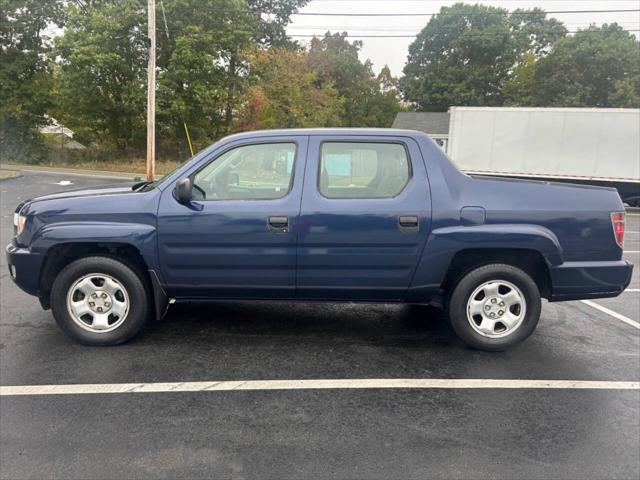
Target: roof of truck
329,131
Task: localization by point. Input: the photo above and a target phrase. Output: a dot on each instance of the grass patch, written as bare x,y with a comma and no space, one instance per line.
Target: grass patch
4,174
125,165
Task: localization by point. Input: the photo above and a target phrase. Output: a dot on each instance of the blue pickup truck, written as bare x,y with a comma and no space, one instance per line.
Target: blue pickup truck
320,215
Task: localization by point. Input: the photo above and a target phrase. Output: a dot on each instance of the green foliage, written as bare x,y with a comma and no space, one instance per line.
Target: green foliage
626,93
465,54
366,103
520,88
102,71
287,93
202,72
25,75
228,65
103,57
326,85
597,67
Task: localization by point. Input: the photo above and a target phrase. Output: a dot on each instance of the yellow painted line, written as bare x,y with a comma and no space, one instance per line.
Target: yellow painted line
325,384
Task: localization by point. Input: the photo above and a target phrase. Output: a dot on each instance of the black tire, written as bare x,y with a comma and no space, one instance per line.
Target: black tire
138,310
457,306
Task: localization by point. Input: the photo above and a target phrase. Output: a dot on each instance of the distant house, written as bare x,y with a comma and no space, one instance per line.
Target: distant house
435,124
62,134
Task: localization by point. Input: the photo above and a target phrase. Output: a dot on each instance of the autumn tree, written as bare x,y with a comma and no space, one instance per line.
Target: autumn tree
286,93
203,72
367,103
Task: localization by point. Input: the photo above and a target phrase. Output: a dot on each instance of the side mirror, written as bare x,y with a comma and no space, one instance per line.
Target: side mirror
183,191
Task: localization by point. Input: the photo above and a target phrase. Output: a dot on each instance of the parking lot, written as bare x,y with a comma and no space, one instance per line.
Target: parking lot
511,430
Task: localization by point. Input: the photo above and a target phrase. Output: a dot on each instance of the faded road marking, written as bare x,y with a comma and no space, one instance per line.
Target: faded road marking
341,384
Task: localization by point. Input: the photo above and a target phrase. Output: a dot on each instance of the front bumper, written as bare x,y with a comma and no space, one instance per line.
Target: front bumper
24,267
583,280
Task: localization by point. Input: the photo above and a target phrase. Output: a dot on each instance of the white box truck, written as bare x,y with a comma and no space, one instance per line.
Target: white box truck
596,146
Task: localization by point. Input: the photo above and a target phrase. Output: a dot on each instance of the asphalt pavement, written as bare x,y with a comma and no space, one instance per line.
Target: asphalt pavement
315,433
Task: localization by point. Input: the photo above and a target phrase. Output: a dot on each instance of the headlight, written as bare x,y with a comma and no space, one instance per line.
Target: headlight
18,222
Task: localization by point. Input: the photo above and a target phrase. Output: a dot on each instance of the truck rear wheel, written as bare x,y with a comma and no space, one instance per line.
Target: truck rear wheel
494,307
99,301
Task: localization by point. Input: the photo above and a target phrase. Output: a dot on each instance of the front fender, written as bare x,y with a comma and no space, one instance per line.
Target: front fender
444,243
139,235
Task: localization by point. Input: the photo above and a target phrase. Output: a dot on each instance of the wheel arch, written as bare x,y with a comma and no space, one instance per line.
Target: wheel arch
451,251
60,255
530,261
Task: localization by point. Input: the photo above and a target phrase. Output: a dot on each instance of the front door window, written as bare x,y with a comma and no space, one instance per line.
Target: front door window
250,172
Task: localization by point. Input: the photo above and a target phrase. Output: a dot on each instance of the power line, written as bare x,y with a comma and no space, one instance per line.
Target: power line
404,28
320,35
563,12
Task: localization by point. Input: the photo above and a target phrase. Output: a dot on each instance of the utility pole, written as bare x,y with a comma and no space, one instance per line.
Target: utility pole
151,91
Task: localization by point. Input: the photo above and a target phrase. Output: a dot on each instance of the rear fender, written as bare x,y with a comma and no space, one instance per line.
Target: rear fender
444,243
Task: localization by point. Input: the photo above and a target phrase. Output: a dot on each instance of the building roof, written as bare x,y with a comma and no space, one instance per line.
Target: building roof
73,145
433,123
57,130
53,127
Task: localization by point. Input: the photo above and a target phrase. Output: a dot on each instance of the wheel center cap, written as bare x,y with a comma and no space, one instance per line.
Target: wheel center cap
100,301
494,307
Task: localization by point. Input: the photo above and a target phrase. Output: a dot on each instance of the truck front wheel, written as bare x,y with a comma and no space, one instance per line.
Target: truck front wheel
99,301
494,307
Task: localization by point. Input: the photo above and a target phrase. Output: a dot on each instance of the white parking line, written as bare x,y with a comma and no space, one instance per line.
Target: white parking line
631,251
343,384
610,312
632,290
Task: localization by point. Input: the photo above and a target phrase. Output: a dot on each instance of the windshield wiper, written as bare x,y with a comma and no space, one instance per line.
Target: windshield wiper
141,186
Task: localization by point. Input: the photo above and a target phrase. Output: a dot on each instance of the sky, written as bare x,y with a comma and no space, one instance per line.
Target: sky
393,51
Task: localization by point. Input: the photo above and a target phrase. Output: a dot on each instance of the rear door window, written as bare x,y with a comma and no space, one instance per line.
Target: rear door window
363,170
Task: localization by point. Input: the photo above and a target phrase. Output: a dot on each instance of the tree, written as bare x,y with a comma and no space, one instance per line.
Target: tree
626,93
596,67
326,85
102,73
367,103
203,73
465,54
25,75
520,88
103,53
387,99
286,93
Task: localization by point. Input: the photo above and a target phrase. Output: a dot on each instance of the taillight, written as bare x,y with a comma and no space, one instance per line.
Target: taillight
617,222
